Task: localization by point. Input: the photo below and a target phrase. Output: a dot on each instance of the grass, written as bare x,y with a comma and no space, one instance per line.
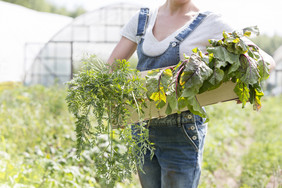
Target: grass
37,143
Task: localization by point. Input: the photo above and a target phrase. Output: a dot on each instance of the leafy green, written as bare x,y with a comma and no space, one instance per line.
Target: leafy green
179,85
232,58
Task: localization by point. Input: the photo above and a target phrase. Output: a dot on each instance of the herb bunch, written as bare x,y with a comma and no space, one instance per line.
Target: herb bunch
100,99
232,58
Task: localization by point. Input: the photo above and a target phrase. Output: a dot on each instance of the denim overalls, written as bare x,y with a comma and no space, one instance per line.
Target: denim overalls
178,138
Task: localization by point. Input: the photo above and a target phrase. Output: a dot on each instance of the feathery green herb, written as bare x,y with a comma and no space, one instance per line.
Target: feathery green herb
98,95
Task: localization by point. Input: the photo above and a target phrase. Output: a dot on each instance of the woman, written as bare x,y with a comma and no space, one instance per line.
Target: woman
161,37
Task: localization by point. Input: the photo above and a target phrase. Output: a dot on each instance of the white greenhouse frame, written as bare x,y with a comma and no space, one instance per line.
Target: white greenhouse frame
96,32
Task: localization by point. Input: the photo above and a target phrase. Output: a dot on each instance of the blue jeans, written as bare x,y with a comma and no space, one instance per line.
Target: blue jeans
178,153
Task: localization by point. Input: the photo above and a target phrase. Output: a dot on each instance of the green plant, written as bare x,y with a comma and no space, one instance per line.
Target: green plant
37,147
107,93
231,58
95,93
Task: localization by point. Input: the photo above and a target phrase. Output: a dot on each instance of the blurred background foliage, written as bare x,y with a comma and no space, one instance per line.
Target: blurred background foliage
37,145
268,43
46,6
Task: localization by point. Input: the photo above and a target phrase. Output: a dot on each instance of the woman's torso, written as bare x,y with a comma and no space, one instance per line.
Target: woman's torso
171,54
211,28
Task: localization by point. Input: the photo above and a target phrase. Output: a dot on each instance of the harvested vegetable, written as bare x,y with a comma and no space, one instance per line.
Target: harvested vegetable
232,58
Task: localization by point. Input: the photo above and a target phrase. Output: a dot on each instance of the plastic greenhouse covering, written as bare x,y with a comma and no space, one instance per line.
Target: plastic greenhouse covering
94,33
19,26
275,79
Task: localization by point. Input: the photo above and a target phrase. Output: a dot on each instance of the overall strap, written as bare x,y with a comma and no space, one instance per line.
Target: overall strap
188,30
142,21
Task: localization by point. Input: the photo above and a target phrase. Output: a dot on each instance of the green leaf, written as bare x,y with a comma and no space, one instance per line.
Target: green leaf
172,101
194,74
263,67
258,95
166,79
251,30
195,50
194,106
158,96
168,110
182,103
223,55
236,40
160,104
255,96
234,67
205,87
242,46
251,74
217,77
152,81
225,35
242,91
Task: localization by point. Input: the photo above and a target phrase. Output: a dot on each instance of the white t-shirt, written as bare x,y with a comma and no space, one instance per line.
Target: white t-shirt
211,28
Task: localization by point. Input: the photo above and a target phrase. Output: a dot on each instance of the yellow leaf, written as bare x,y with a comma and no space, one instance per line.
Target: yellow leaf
247,34
157,96
168,72
236,40
181,80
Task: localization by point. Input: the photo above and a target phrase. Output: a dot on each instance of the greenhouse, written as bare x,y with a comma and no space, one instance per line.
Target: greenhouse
275,80
21,26
94,33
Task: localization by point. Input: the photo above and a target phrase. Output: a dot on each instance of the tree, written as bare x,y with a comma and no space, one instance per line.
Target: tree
44,6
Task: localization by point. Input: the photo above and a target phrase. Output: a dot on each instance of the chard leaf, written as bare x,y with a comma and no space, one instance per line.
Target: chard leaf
194,75
225,35
263,69
222,54
194,106
231,58
159,96
172,101
166,79
236,40
218,64
255,96
216,77
206,87
258,95
234,67
251,30
160,104
152,81
242,47
251,74
182,103
242,91
168,109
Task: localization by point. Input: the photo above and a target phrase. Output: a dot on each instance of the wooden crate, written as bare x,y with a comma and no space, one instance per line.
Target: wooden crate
222,94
